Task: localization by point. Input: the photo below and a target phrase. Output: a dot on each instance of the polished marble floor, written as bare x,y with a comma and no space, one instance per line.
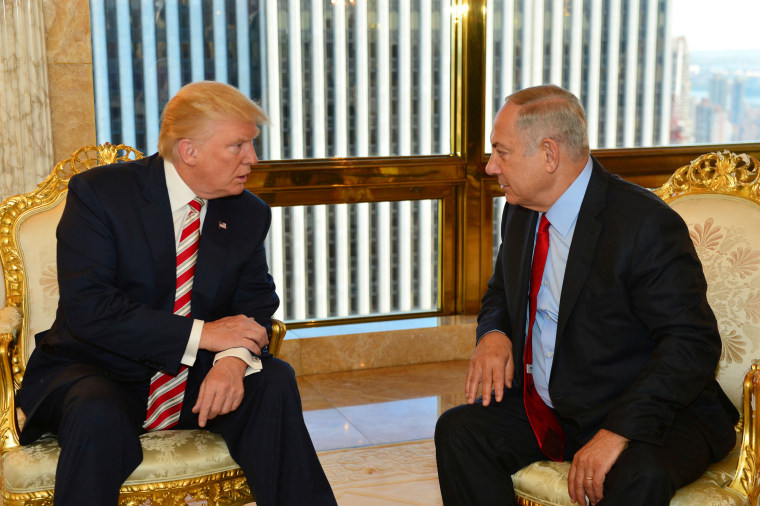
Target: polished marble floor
373,430
379,406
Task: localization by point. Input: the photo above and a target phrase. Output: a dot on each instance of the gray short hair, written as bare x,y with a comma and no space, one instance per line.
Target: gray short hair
548,111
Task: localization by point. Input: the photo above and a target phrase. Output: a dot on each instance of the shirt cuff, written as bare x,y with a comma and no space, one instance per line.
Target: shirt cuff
253,362
193,343
484,333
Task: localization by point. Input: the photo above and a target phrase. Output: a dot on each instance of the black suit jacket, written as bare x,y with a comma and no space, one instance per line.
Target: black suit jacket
117,276
636,339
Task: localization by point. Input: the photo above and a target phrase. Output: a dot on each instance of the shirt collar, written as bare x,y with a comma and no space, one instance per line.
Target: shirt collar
179,193
563,213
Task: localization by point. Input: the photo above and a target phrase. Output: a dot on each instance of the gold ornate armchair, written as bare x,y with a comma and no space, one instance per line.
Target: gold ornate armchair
718,195
179,466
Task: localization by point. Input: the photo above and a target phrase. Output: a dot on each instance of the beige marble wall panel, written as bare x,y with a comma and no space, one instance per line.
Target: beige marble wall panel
384,349
72,107
25,151
69,59
67,31
290,352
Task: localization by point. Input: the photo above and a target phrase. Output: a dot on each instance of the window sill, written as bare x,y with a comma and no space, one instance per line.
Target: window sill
348,347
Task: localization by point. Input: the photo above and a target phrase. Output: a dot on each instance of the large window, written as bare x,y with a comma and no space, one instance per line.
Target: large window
362,259
337,78
716,72
381,111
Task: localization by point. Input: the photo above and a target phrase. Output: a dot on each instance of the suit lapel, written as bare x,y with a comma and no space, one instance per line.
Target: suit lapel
212,256
159,229
583,248
519,232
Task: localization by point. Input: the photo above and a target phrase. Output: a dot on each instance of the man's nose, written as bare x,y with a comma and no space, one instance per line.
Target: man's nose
491,167
250,157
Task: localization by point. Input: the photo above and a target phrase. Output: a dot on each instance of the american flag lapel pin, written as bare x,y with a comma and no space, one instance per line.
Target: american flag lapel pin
223,225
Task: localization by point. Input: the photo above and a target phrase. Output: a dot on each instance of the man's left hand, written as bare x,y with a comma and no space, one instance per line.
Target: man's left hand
222,389
591,465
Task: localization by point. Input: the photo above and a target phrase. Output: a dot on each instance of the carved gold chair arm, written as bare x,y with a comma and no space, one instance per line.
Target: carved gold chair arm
10,323
278,334
746,480
10,320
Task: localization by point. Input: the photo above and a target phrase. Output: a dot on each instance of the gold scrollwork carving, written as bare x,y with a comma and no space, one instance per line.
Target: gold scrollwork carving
718,172
220,489
747,480
8,423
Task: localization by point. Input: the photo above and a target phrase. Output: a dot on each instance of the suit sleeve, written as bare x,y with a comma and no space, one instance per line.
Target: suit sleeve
255,291
494,314
667,292
95,308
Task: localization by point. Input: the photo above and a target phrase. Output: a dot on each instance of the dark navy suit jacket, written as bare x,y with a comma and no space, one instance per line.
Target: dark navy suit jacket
637,341
116,272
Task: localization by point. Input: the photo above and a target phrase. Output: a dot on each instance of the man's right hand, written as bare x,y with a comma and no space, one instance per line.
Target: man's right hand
491,366
237,331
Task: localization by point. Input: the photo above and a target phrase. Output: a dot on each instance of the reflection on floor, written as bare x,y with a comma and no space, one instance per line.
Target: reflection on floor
385,418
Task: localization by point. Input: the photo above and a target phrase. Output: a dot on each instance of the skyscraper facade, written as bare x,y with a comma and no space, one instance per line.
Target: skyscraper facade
613,54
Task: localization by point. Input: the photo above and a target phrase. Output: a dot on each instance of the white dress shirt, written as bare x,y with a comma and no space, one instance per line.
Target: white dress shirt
179,196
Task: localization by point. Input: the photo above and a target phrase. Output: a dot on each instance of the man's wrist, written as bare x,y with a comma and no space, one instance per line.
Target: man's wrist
233,362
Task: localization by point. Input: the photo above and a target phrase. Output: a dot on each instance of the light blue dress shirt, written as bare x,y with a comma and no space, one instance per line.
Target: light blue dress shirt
562,216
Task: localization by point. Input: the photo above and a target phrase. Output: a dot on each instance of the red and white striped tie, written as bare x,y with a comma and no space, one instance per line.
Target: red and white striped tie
166,391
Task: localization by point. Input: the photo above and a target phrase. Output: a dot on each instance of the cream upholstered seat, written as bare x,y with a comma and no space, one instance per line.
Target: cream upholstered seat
718,195
179,466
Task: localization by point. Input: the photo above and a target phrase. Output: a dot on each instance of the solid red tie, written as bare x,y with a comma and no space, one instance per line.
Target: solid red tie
546,427
167,391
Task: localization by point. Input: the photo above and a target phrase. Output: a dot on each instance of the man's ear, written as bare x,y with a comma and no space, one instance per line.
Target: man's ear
187,151
550,154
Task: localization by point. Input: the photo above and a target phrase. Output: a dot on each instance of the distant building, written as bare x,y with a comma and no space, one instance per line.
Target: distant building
682,122
713,124
703,122
737,101
719,90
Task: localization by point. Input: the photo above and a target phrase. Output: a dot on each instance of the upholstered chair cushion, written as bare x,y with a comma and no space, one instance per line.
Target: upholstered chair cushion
545,483
172,455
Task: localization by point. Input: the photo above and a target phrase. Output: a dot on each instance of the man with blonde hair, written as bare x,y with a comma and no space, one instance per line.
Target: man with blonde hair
164,314
595,341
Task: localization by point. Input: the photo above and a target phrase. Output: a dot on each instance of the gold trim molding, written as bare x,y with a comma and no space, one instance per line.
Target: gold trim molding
221,489
747,478
718,172
9,428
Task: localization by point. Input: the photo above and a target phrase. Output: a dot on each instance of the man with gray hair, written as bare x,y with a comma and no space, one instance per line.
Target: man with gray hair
595,341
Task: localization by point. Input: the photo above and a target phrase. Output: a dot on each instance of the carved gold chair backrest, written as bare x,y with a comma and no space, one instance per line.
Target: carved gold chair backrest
718,195
28,249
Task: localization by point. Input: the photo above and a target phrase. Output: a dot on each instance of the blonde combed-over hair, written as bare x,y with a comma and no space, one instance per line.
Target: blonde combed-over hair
188,113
